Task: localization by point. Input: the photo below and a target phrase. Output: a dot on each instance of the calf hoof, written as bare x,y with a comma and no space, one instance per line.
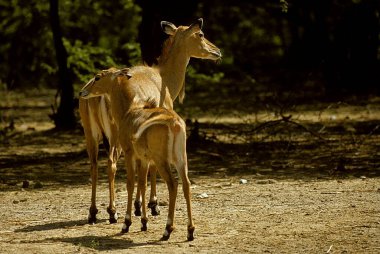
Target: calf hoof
168,230
144,223
165,238
137,208
113,220
113,215
126,225
92,216
91,220
155,209
190,233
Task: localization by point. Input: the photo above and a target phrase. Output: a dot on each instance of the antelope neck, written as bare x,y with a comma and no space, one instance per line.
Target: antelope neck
173,71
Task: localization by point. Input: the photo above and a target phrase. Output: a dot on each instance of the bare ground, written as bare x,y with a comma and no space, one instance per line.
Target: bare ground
305,193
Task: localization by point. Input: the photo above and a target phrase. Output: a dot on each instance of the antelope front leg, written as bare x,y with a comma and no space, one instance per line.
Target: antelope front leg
130,167
137,203
94,179
187,194
153,203
111,209
142,173
92,150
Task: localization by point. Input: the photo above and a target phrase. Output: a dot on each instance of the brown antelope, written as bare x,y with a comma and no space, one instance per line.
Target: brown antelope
98,124
147,133
183,43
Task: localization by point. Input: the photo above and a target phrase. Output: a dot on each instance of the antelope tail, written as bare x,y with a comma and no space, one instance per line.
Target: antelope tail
157,120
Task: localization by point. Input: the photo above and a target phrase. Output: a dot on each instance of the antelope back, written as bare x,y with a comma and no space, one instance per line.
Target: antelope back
146,84
97,118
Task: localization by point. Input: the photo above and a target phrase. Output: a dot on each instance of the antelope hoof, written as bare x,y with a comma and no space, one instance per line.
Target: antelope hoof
168,230
190,233
113,220
126,225
91,220
155,209
137,208
92,216
113,215
144,223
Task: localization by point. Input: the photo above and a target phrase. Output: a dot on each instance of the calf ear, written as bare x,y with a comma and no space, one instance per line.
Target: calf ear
115,74
168,28
122,72
125,72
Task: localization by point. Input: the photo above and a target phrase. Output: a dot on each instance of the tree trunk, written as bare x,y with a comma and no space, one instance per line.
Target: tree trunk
64,118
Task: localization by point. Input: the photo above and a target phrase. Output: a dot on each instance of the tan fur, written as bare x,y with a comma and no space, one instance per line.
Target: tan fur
156,135
146,135
96,122
91,109
183,43
168,77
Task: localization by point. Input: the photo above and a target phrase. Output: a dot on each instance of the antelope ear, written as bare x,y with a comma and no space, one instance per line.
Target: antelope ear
120,73
168,28
125,72
196,26
115,74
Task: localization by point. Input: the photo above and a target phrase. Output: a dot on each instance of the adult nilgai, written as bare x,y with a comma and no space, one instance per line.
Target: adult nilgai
168,77
147,134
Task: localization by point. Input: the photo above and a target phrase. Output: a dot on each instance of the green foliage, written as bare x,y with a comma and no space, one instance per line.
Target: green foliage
97,35
24,41
284,5
250,34
336,36
111,25
85,60
133,50
201,78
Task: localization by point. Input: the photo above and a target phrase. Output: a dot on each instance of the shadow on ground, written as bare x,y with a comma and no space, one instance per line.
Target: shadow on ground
282,151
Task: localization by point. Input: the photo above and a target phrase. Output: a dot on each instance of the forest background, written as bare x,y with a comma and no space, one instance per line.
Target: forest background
283,133
320,49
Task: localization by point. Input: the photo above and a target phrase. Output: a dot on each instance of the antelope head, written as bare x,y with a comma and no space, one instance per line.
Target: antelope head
193,40
102,82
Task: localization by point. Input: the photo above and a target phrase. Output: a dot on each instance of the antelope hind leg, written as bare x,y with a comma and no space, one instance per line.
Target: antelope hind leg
153,204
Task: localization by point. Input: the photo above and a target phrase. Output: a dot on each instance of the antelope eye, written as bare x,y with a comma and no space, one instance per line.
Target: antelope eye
201,35
97,78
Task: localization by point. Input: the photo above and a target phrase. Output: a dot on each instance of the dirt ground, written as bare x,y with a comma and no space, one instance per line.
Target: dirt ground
312,183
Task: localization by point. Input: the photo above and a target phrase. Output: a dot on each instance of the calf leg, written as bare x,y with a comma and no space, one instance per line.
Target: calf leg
153,204
172,184
137,203
142,174
111,209
92,149
94,179
130,167
187,194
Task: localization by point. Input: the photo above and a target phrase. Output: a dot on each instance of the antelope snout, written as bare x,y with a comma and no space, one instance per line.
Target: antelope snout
217,54
83,93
